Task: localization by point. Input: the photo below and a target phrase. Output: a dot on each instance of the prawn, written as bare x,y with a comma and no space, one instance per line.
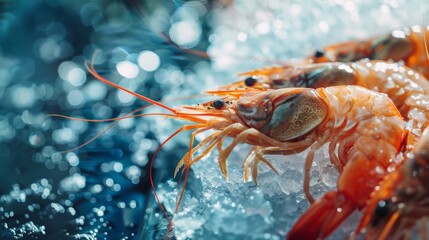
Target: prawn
408,89
367,150
406,44
365,125
393,208
402,198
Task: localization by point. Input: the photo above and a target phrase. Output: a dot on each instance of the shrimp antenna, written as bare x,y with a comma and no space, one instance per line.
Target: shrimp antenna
92,120
232,92
96,120
117,119
104,120
200,53
90,67
193,117
165,37
181,129
189,116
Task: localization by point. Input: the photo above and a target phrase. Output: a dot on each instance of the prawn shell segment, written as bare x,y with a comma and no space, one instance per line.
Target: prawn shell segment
343,52
395,46
296,114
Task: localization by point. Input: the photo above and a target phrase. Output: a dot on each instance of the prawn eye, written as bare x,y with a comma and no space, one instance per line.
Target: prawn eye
250,81
381,211
218,104
319,53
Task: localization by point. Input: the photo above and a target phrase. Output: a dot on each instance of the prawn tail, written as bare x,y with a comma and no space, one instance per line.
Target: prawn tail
322,218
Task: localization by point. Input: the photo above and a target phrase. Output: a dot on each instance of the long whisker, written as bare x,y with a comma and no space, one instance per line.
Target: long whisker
214,141
187,161
100,133
151,174
90,140
181,129
199,117
185,181
165,37
90,68
110,119
232,92
167,115
109,127
92,120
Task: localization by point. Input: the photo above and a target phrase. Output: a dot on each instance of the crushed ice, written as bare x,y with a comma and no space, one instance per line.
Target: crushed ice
253,34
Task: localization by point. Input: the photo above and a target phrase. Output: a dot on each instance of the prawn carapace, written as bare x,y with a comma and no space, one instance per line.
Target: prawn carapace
406,44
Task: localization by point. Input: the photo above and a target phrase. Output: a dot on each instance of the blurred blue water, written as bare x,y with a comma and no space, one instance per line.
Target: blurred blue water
99,191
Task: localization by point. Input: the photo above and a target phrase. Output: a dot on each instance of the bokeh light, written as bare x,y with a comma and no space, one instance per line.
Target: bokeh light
186,33
127,69
149,61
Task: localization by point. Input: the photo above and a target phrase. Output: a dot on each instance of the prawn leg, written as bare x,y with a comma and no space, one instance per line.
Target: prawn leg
200,145
254,157
256,138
